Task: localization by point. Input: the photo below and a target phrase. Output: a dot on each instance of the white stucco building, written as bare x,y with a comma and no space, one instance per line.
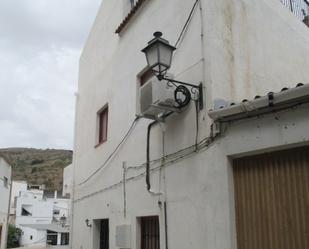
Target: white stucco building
42,220
67,180
237,176
5,189
17,188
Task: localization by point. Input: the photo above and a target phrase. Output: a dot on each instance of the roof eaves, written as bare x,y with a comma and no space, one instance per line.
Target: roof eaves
260,105
132,12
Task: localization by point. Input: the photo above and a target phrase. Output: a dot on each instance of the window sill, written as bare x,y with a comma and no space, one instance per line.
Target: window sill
99,144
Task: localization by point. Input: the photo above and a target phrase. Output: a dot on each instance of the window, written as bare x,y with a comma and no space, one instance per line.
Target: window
102,125
31,237
56,212
6,182
150,232
25,210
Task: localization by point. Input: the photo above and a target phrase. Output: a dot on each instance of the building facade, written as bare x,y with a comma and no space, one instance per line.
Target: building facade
67,180
42,220
17,188
240,51
5,191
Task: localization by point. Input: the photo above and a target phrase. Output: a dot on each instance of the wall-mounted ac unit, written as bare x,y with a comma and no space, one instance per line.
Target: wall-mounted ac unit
156,99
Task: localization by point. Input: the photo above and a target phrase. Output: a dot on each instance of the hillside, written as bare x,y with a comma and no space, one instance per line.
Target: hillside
38,166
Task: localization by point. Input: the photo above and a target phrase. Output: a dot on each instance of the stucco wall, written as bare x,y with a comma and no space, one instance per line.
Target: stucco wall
254,47
248,48
67,180
5,171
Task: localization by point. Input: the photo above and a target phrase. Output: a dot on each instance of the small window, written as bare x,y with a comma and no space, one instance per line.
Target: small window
102,125
5,182
56,212
150,232
25,210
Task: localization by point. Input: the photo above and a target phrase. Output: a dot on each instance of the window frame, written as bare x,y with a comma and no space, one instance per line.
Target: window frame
102,125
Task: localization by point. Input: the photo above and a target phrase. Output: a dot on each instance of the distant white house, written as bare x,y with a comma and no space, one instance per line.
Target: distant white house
5,188
42,220
17,188
67,180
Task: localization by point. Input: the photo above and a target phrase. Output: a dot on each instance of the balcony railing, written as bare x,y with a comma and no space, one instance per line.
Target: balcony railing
300,8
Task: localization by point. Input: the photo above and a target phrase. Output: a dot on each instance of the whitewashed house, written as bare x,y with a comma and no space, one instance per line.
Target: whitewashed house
230,172
17,188
42,220
5,190
67,180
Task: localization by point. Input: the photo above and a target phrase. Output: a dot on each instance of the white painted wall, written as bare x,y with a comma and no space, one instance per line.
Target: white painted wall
42,213
248,48
61,205
32,237
17,188
67,180
5,171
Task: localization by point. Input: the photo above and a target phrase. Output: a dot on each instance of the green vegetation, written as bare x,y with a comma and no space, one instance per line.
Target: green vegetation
14,234
38,166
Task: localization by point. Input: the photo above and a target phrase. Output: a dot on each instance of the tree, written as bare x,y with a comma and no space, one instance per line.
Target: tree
14,235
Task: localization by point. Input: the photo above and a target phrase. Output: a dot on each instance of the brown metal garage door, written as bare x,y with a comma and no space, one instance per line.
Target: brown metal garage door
272,200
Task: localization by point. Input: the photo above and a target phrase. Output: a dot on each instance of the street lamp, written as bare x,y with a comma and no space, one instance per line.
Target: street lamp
159,55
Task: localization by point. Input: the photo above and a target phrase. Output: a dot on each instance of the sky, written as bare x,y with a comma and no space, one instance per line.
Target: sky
40,45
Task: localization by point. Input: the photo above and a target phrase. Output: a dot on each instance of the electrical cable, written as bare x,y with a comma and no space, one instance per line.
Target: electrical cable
112,154
148,150
184,91
148,154
186,23
173,158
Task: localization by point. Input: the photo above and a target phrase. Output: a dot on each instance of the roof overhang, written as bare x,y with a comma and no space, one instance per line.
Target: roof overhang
52,227
272,102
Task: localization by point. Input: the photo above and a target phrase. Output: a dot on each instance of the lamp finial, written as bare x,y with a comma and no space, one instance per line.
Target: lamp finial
157,34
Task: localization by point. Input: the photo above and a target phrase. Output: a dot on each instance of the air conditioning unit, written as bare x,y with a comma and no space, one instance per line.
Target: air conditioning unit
156,99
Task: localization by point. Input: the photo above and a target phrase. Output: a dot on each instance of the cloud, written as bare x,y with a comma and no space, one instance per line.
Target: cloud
40,45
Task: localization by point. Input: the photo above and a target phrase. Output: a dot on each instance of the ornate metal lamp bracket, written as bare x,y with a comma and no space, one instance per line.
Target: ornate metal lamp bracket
196,90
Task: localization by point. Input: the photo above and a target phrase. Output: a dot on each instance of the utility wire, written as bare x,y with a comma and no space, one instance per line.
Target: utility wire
168,160
186,24
112,154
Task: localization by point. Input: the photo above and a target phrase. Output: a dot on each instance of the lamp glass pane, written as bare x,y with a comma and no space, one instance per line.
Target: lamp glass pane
152,55
166,54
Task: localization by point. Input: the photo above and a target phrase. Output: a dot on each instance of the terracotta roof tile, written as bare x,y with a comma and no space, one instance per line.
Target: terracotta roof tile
126,20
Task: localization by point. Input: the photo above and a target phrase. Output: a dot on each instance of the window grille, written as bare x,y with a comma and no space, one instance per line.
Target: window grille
150,233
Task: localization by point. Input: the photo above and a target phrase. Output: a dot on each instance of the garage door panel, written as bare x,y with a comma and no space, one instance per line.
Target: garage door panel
272,200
